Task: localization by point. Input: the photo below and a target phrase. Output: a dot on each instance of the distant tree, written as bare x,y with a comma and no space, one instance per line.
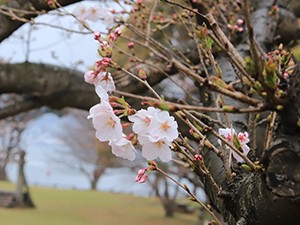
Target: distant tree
83,152
10,134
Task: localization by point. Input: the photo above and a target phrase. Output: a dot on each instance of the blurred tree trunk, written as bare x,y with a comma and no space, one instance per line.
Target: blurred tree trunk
3,174
23,197
98,172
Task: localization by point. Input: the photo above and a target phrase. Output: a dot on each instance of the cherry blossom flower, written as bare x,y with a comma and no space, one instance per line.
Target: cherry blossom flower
87,13
107,124
102,93
106,81
123,148
156,130
153,148
229,133
154,122
103,82
164,126
141,121
104,106
90,76
80,12
93,13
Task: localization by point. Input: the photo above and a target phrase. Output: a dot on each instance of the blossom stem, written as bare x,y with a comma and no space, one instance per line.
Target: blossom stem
191,107
193,196
201,136
143,82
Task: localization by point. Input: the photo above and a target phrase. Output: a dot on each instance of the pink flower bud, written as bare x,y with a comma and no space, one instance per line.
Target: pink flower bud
130,136
97,36
113,104
130,44
124,125
198,157
142,171
143,179
286,75
240,21
138,178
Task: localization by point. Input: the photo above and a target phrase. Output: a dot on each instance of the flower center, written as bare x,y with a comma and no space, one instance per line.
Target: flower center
159,144
111,122
228,137
165,126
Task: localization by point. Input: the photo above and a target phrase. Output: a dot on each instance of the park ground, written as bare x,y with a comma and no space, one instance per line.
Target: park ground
75,207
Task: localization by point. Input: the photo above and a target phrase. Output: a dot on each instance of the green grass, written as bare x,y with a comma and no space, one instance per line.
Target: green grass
74,207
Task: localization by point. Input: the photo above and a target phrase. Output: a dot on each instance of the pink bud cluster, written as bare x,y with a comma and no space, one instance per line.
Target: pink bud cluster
198,157
99,74
237,26
142,175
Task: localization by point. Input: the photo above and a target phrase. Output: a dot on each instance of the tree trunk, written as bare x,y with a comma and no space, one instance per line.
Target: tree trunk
98,172
23,198
3,174
169,207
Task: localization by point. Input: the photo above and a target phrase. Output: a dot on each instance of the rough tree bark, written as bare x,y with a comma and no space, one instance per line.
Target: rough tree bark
271,196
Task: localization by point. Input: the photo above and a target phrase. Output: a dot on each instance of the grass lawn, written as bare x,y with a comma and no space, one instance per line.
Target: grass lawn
74,207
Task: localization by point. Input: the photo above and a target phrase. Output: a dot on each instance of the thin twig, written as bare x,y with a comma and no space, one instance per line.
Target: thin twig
194,198
253,45
177,106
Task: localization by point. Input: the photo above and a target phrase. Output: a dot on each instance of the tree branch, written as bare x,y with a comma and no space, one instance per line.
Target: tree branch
8,26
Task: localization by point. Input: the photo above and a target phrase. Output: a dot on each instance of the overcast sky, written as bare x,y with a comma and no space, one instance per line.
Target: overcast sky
54,46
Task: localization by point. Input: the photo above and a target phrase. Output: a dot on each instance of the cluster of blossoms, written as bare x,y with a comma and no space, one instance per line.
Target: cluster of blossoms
92,13
155,128
242,137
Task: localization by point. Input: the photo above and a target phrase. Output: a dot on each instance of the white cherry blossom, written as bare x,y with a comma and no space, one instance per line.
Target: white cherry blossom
102,93
90,77
153,148
123,148
228,134
80,12
164,126
107,124
141,121
104,106
106,81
